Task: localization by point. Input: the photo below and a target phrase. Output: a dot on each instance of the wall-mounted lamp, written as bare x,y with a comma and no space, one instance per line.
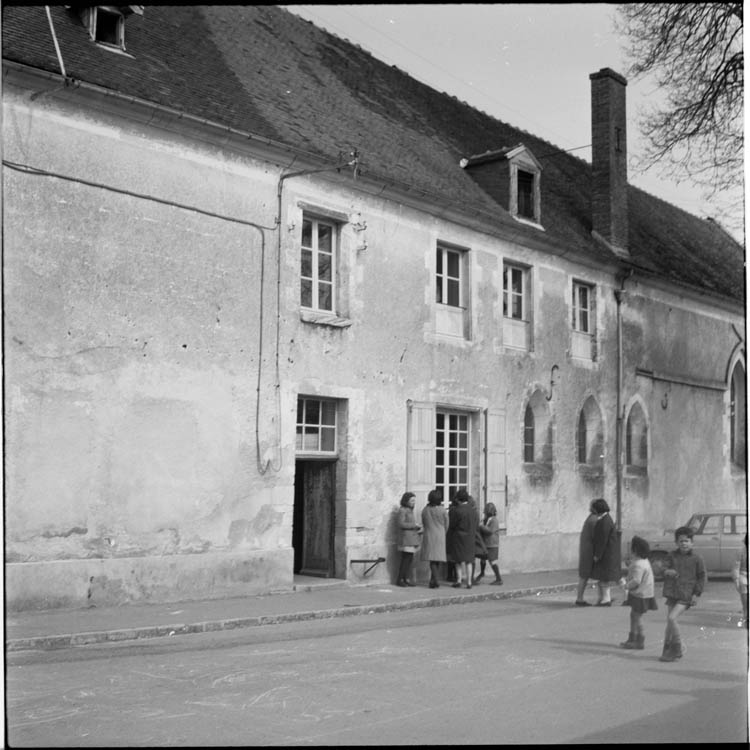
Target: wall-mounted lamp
553,380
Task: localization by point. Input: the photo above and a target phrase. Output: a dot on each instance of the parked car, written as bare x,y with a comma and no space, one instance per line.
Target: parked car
719,536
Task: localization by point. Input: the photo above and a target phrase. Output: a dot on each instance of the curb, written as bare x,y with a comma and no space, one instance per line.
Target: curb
52,642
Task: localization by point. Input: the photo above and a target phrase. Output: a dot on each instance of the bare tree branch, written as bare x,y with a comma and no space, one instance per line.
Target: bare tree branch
694,53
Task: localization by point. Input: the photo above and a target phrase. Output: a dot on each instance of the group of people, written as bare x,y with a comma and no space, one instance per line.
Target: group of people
684,577
456,537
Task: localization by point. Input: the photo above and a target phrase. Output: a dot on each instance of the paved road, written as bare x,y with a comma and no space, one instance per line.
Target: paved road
527,670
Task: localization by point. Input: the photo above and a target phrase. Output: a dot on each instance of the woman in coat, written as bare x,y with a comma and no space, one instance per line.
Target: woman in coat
408,538
462,529
435,526
586,555
606,568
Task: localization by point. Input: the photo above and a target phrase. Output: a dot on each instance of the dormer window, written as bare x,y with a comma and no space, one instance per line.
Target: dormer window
106,23
108,27
512,177
526,194
525,172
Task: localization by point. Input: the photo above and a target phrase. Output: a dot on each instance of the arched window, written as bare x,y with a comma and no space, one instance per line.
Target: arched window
636,441
737,417
590,434
528,434
537,431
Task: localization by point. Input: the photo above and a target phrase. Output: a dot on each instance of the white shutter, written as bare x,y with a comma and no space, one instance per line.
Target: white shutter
496,462
420,466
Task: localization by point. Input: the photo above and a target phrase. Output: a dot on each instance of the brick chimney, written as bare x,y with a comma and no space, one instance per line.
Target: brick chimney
609,157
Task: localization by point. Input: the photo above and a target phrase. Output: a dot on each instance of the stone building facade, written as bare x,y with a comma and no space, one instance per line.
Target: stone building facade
238,327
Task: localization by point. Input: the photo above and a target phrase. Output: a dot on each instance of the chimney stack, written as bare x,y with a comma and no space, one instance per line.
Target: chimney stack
609,157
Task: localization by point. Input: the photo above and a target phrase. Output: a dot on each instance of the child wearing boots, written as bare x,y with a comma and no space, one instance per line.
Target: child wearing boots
490,530
684,580
639,586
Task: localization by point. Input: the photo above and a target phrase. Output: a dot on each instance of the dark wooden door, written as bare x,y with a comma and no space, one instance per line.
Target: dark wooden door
315,501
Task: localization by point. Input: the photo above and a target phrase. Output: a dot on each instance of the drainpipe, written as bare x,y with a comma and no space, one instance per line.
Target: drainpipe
619,296
54,39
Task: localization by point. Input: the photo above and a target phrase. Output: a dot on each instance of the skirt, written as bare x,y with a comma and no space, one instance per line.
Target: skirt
492,554
640,605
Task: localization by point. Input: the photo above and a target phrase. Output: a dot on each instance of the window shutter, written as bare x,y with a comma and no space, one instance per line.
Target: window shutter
420,468
496,462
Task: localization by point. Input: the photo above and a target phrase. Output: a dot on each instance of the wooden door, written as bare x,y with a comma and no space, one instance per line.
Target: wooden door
316,498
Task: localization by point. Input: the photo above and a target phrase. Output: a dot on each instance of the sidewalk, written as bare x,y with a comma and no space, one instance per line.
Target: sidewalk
311,599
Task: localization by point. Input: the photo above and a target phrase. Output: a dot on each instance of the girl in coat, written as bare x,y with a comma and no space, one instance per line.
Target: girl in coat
490,531
462,528
639,586
408,538
435,526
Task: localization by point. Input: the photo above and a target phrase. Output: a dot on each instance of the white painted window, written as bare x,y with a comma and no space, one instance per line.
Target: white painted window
583,299
452,451
583,321
318,264
445,450
516,307
452,314
316,426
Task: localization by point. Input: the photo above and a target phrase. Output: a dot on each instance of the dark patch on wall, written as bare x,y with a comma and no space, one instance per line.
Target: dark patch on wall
65,534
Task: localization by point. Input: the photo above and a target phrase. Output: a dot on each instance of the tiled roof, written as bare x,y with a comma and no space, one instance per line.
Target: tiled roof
263,70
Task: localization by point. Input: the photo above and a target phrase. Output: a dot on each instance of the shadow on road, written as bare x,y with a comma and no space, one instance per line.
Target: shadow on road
726,721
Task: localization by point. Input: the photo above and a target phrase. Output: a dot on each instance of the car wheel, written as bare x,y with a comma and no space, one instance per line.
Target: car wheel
658,564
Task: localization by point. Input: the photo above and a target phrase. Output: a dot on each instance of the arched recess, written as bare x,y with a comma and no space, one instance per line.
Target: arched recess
537,430
738,412
636,439
590,434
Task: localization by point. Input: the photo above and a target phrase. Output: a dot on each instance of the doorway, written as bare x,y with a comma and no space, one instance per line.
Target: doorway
314,518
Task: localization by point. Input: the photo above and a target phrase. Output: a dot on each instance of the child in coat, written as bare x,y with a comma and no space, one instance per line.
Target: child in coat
639,586
684,580
490,530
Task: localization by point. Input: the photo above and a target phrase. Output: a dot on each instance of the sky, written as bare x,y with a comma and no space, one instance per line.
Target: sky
527,64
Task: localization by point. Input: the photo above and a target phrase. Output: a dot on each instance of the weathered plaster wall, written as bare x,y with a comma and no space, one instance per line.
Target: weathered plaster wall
689,462
131,359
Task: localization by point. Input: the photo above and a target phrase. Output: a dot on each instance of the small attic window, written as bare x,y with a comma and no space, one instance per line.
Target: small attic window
512,176
524,190
526,195
109,27
106,23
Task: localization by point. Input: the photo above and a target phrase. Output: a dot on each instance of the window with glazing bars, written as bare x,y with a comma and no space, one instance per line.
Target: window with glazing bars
514,292
317,258
582,303
451,452
316,425
448,277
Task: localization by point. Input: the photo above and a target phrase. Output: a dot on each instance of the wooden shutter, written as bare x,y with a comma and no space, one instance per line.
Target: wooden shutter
420,437
496,469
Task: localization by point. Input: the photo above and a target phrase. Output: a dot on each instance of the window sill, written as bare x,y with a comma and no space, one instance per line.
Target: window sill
528,222
591,471
323,319
438,337
537,471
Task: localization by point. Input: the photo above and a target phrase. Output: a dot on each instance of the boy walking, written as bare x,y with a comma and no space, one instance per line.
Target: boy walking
684,580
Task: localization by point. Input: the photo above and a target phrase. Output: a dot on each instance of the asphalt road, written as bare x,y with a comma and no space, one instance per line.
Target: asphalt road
518,671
